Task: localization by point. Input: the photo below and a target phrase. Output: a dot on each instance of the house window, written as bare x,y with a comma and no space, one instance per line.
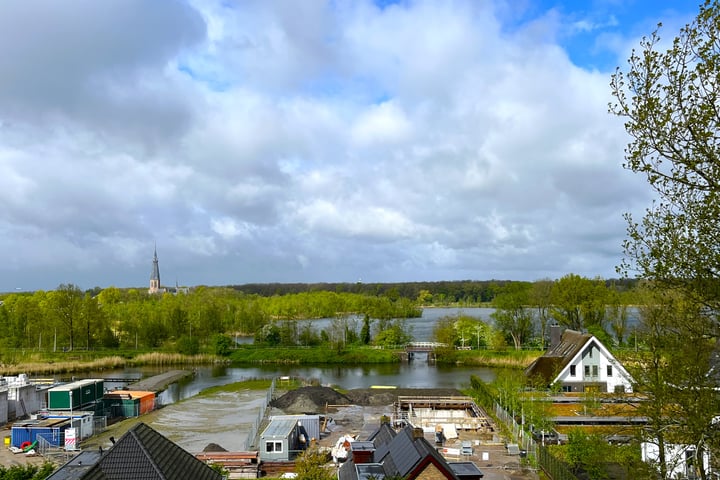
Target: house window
609,370
572,370
595,371
273,447
587,370
566,388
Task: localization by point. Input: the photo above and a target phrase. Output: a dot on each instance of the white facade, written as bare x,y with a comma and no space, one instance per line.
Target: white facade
679,459
594,365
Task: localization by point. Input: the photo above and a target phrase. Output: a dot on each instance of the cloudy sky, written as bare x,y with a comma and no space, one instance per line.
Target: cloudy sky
314,141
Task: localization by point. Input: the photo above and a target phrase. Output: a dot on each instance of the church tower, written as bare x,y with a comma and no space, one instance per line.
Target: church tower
155,276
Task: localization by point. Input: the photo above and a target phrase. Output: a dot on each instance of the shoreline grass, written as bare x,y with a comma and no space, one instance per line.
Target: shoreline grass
37,365
49,363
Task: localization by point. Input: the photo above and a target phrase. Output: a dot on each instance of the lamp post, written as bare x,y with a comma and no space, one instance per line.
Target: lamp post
71,405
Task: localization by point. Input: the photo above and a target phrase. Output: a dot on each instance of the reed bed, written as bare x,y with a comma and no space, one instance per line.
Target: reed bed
517,359
162,359
36,365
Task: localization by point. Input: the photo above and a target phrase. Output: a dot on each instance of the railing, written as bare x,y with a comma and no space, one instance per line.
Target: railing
554,468
255,427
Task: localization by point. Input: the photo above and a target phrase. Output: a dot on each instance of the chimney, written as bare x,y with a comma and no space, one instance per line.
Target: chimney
362,452
555,335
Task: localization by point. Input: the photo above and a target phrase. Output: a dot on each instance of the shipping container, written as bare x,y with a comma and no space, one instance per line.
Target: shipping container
128,403
52,430
83,392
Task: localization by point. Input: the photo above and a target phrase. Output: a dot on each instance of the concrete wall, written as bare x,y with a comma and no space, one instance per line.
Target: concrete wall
3,406
25,395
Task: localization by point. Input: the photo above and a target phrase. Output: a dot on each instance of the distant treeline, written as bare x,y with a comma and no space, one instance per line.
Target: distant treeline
462,292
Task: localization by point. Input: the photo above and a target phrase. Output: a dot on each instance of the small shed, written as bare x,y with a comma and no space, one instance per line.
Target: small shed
128,403
279,440
308,425
82,421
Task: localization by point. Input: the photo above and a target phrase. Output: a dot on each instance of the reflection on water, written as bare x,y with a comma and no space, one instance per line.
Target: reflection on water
416,374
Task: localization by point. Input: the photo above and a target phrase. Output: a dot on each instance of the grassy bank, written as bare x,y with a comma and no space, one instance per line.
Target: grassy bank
518,359
53,363
301,356
250,384
47,364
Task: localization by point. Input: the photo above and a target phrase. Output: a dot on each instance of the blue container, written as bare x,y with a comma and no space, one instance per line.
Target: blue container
52,430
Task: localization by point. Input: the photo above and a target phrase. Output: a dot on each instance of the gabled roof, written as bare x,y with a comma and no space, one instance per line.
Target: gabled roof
548,366
144,454
400,454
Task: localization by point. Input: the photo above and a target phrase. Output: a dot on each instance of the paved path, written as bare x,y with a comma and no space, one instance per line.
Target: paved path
158,383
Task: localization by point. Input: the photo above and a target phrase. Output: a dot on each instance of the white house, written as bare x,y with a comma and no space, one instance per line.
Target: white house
579,362
680,460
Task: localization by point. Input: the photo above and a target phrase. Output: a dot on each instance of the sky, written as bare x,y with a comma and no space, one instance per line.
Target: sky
259,141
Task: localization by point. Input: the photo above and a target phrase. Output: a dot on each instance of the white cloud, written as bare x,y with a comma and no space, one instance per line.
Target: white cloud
335,140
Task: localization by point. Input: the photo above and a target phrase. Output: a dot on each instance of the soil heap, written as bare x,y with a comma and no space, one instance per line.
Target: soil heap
317,399
309,400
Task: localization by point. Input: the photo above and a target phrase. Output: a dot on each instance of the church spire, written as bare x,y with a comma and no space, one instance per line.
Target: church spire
155,275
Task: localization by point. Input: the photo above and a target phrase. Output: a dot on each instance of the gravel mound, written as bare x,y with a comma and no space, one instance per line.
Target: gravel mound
213,447
315,399
309,400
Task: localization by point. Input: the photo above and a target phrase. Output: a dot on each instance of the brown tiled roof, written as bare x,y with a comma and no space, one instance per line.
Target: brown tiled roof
144,454
547,367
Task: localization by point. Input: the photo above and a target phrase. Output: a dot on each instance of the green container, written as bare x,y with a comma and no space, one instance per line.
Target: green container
59,397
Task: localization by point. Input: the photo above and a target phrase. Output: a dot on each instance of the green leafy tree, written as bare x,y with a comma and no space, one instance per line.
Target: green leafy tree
188,345
26,472
512,315
66,302
222,345
541,300
312,464
365,335
587,453
579,302
669,101
444,330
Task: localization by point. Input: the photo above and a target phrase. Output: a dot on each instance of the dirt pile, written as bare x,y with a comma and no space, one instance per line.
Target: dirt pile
318,399
309,400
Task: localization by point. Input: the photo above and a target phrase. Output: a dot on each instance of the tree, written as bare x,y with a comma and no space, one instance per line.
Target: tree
670,370
67,303
311,465
579,302
541,299
669,101
512,316
365,336
587,452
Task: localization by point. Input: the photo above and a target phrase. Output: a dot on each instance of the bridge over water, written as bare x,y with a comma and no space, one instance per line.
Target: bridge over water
423,346
427,348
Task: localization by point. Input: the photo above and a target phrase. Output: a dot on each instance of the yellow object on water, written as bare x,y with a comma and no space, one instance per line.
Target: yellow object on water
383,386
